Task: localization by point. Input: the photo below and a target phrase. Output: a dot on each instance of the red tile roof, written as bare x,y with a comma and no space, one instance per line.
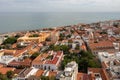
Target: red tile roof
82,76
55,58
40,59
54,61
26,62
4,70
101,44
39,73
51,73
101,71
59,53
9,52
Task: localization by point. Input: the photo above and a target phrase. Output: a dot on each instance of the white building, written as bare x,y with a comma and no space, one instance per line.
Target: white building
25,73
70,72
49,61
5,59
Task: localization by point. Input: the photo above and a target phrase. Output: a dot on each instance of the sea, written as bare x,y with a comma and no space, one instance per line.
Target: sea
19,21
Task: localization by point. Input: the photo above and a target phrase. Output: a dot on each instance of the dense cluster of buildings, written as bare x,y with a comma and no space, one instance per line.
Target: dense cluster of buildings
102,39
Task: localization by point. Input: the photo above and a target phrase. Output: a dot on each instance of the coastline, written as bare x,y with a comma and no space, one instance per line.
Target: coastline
19,31
14,22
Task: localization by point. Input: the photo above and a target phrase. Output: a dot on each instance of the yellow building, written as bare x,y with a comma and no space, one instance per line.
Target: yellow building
41,38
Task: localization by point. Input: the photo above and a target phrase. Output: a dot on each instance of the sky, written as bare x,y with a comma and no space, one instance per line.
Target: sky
59,5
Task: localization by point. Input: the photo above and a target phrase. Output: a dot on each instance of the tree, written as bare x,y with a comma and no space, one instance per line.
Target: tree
69,35
34,55
83,58
3,77
61,37
65,49
50,57
9,74
56,48
44,78
10,40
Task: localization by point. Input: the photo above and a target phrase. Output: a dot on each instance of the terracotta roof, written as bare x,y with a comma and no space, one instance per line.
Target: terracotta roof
14,45
17,52
24,72
39,73
26,62
101,71
9,52
101,45
85,77
4,70
32,51
59,53
20,52
51,73
40,59
17,71
112,38
53,61
82,76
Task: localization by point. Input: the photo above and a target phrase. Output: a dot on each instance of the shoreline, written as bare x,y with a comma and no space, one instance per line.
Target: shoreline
17,31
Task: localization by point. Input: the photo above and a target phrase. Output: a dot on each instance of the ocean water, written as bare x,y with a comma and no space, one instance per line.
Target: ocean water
34,20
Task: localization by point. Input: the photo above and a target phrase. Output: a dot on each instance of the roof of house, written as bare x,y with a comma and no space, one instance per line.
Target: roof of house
9,52
101,45
17,71
39,73
82,76
4,70
101,71
25,62
53,61
24,72
55,58
40,59
51,73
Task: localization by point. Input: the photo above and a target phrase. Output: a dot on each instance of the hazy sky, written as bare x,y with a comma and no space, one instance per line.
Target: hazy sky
60,5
